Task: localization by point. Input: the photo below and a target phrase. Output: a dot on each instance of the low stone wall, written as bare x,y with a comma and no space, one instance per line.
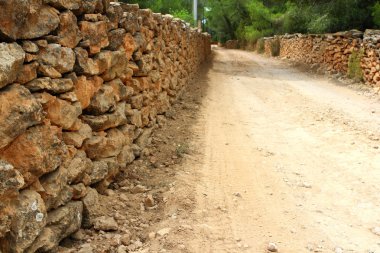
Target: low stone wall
82,85
232,44
334,51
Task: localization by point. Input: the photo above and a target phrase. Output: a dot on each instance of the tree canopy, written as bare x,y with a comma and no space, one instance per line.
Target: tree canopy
251,19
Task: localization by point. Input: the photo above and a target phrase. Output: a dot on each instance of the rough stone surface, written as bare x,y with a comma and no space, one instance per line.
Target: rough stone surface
78,166
54,86
105,224
28,222
65,4
10,182
76,138
60,58
96,35
28,19
18,111
90,211
60,223
107,121
104,146
81,89
85,89
35,152
11,60
102,102
62,113
27,73
54,189
68,30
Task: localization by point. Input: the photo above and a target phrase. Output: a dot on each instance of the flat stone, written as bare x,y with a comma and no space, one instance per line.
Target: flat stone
107,121
54,86
30,46
65,4
48,71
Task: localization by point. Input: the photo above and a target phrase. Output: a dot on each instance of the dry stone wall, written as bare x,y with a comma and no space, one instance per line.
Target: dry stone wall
82,85
334,51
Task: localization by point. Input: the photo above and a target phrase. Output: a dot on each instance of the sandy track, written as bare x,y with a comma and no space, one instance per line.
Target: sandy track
284,158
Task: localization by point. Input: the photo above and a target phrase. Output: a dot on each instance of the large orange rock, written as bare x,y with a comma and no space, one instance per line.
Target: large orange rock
104,146
85,88
27,19
62,113
36,152
103,101
68,30
27,73
96,35
19,110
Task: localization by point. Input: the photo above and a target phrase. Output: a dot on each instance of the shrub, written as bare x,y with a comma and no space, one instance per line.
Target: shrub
275,46
354,69
260,46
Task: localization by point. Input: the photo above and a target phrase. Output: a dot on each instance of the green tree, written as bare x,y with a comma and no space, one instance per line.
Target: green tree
376,14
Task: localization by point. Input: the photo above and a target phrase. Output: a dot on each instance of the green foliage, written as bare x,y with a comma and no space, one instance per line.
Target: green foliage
354,69
275,46
184,15
249,20
178,8
376,14
260,46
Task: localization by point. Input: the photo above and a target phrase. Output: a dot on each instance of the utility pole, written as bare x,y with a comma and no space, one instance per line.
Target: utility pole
195,12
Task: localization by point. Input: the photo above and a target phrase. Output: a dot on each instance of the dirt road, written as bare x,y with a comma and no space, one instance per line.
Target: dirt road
284,157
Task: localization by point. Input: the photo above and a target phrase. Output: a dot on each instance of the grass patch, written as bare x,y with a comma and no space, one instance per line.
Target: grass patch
354,69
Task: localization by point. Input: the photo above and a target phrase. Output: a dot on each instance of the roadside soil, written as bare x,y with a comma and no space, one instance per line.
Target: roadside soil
255,152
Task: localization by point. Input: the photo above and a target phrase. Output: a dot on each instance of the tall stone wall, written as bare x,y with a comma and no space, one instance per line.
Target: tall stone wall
82,85
333,51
